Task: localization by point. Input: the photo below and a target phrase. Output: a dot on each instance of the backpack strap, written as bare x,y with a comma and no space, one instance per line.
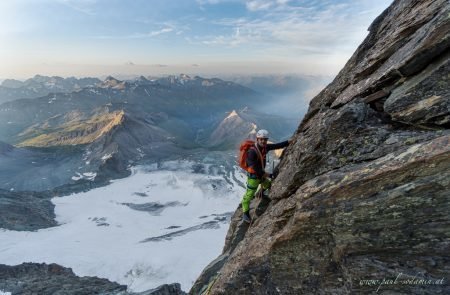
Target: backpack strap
259,155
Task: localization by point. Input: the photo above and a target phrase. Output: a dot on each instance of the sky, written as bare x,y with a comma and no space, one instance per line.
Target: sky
151,37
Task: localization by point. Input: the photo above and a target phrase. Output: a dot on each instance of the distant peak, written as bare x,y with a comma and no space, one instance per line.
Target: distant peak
111,82
184,77
111,78
232,114
141,80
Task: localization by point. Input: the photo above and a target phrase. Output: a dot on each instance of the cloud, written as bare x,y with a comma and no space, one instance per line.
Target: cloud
255,5
139,35
295,29
159,32
83,6
252,5
235,39
214,2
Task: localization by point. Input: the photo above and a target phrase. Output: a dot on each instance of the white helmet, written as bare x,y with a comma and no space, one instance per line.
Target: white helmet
262,134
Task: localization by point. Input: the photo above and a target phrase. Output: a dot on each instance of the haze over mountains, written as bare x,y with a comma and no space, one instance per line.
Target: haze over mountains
70,135
11,89
73,130
291,93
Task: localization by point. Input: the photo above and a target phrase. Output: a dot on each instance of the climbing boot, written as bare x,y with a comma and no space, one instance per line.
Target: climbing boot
265,195
246,217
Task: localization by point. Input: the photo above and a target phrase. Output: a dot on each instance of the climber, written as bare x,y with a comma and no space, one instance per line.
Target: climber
255,161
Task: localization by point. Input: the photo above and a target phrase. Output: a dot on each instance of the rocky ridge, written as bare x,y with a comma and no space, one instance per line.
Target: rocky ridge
361,199
96,145
73,132
34,278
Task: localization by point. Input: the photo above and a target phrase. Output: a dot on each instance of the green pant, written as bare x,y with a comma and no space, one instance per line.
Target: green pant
252,186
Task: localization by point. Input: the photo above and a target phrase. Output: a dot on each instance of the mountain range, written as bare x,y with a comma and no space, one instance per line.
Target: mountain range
360,200
98,131
11,89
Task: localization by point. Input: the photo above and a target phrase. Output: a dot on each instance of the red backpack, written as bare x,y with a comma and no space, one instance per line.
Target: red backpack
242,158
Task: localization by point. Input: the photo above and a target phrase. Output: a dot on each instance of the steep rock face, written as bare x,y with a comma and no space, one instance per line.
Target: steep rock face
362,194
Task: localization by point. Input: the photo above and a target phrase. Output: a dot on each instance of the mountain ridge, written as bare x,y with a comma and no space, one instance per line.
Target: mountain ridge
37,86
75,133
362,193
99,131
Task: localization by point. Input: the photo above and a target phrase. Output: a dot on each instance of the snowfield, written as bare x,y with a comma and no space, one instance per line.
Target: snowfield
151,228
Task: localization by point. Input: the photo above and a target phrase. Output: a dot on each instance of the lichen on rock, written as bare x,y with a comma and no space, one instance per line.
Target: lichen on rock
361,199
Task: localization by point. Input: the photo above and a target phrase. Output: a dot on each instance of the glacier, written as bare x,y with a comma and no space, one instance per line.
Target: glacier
157,226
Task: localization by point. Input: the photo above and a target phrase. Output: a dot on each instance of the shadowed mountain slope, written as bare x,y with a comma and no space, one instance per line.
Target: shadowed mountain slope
99,131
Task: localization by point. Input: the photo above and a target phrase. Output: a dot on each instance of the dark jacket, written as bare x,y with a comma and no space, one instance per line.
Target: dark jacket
253,157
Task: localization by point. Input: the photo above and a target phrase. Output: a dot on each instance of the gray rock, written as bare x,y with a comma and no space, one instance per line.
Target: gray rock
34,278
26,211
208,275
166,289
153,208
361,196
424,98
214,224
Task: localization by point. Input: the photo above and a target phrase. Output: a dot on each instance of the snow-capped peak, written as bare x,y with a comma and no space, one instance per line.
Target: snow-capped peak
231,115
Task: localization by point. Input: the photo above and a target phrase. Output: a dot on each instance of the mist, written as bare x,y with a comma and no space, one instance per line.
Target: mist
283,95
